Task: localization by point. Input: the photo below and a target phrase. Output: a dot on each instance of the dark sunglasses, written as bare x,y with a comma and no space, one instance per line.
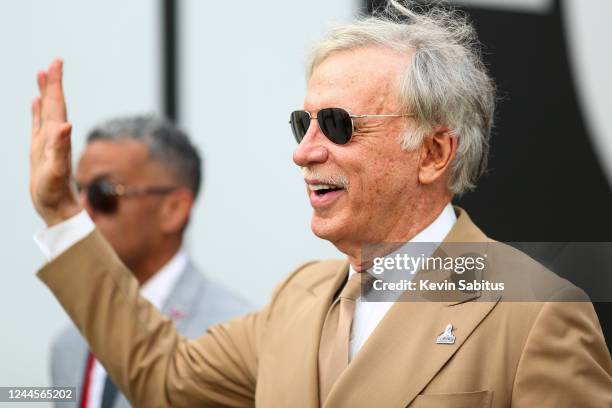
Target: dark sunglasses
103,195
335,123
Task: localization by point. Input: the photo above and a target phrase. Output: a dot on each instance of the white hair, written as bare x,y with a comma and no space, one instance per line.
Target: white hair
445,84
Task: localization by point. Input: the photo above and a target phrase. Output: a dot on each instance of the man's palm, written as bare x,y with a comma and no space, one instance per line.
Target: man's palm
50,153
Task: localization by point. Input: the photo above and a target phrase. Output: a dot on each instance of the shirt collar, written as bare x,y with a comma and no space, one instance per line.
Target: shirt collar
157,289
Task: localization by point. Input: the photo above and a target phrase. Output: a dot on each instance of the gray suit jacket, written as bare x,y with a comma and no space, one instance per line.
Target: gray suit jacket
194,304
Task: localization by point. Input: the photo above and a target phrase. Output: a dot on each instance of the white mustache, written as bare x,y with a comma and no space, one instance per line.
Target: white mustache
339,180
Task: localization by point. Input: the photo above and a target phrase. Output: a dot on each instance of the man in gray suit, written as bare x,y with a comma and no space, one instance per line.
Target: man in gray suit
138,178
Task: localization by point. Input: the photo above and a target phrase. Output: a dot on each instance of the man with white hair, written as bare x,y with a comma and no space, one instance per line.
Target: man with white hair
396,121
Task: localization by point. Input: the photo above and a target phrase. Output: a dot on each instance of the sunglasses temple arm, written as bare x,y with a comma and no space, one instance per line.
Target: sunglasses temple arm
379,116
147,190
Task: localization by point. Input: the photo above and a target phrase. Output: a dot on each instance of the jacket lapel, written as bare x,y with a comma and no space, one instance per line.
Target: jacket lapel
292,353
401,356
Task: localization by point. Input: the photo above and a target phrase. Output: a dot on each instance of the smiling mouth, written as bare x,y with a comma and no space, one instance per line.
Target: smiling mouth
322,189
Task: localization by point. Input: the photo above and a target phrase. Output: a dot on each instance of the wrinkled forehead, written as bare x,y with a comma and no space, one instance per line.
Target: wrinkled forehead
357,79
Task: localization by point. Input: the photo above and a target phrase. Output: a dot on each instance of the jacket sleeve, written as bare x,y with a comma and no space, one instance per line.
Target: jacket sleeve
152,364
565,361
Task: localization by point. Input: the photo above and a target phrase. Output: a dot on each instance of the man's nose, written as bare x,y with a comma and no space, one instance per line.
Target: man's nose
312,149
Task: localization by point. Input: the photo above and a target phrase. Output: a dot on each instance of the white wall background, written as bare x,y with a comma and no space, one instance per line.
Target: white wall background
111,58
242,74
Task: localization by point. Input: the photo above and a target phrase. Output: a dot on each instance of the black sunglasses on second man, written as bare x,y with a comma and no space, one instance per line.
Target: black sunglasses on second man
103,195
335,123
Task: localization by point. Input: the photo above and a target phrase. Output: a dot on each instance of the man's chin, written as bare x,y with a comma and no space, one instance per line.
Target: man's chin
329,229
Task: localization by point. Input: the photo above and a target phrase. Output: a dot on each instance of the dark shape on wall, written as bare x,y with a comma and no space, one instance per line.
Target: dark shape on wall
170,42
544,181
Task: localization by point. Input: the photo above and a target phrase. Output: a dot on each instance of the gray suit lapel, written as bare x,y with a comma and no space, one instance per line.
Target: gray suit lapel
178,307
69,357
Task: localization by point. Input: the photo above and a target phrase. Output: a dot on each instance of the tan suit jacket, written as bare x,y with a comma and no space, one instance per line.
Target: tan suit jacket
519,354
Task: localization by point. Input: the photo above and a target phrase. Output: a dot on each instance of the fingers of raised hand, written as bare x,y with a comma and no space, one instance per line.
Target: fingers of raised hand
53,102
65,130
57,149
57,136
36,106
41,79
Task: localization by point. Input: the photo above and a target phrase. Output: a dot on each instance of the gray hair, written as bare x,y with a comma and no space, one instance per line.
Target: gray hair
166,143
445,84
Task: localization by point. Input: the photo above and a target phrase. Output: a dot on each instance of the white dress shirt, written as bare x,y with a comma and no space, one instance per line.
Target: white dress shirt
55,240
369,314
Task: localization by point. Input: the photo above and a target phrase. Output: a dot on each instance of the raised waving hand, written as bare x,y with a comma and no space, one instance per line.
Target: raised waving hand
51,189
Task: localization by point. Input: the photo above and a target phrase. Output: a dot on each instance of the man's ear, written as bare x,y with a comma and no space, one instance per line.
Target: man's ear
437,151
175,210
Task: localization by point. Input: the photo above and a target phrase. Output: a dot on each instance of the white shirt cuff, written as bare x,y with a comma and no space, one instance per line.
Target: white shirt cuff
54,240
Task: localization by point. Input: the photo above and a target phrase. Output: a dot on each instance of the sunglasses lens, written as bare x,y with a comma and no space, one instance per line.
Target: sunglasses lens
100,198
336,124
300,121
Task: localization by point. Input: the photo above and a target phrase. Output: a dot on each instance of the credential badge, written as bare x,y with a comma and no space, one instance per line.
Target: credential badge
447,337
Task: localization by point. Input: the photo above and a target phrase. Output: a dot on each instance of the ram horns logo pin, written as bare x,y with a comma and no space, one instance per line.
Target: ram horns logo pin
447,337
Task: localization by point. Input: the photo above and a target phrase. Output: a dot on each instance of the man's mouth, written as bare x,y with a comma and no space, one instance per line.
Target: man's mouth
322,189
324,195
